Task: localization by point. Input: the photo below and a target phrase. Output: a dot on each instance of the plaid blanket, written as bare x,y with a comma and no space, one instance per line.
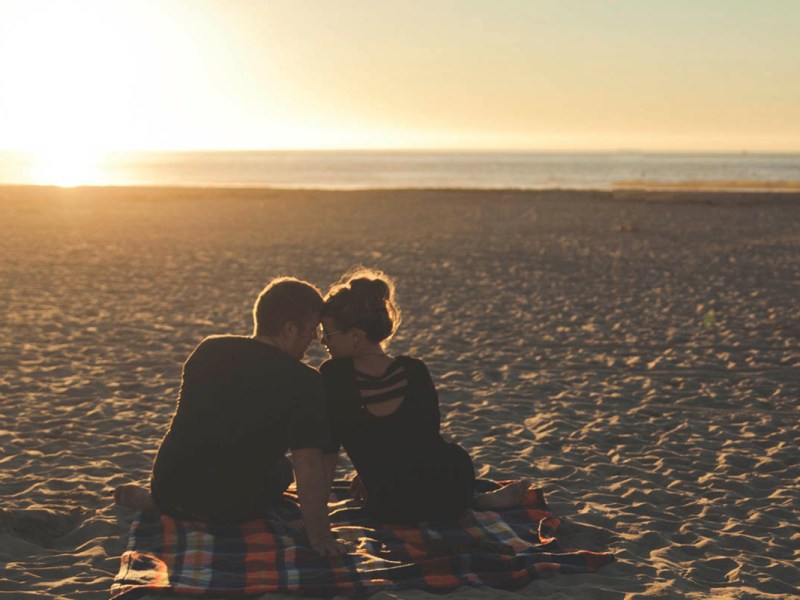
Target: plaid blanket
505,549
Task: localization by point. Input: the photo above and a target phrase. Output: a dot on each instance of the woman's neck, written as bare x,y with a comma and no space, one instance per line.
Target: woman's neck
371,359
364,350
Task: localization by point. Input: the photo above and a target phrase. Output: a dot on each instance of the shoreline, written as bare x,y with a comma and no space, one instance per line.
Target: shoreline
644,194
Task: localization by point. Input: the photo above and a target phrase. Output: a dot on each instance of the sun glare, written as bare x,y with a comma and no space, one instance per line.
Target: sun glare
85,73
67,168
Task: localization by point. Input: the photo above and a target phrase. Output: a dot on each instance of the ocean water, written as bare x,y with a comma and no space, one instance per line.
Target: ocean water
401,169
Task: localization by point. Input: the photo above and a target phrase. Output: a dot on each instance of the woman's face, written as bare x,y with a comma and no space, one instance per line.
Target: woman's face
338,343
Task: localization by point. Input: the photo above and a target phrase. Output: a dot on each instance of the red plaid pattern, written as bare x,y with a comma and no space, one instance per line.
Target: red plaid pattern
505,549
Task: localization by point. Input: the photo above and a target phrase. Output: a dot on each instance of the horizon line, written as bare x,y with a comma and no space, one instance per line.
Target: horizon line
434,150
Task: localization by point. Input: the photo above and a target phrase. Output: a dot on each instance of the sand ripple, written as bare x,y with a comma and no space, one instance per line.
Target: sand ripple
638,357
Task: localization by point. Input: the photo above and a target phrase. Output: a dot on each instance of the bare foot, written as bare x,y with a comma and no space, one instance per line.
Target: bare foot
506,497
131,495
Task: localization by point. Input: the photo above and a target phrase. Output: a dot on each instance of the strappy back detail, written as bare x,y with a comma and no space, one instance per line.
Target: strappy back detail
382,395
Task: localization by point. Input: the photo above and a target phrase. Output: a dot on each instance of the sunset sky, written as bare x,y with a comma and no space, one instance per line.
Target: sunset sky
79,75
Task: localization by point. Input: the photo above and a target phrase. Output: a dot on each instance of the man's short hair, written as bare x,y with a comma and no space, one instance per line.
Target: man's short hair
285,300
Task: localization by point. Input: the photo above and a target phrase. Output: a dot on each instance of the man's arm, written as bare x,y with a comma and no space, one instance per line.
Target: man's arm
309,473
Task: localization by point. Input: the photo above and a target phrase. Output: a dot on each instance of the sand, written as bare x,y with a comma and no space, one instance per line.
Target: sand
637,354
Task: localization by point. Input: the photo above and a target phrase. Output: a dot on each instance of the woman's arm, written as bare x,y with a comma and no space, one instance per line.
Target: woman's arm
430,397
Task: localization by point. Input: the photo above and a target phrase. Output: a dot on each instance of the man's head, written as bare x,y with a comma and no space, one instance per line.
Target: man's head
288,310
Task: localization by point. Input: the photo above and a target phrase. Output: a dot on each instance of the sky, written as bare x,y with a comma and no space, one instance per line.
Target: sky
648,75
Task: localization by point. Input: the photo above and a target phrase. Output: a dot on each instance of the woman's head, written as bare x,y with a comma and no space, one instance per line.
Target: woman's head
362,300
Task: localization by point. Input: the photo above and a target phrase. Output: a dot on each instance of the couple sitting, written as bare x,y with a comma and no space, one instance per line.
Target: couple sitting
247,401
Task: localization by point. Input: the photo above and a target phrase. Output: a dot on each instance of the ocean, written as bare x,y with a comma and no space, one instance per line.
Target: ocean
404,169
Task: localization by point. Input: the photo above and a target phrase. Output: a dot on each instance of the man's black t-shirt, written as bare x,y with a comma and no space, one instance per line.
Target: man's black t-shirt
242,405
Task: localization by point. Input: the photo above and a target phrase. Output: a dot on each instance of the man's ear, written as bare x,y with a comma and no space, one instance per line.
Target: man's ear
290,329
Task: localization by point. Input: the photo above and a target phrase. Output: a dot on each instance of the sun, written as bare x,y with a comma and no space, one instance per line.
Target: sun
66,168
83,73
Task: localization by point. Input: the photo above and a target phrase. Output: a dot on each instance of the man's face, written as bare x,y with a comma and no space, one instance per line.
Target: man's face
304,333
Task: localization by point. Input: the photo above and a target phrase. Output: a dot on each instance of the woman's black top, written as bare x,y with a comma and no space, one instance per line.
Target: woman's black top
409,471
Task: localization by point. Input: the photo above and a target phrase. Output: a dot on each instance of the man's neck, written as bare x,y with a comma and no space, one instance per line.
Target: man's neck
270,341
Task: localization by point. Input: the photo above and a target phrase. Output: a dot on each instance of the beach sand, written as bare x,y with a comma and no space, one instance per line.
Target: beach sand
636,354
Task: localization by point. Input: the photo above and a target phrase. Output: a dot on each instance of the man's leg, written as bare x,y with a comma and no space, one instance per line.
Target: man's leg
132,495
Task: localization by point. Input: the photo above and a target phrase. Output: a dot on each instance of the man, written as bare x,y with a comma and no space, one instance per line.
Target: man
244,402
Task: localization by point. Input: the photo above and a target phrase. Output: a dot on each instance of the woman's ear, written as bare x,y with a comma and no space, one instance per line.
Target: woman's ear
358,337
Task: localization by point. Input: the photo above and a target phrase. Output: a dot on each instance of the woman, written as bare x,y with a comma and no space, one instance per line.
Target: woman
384,410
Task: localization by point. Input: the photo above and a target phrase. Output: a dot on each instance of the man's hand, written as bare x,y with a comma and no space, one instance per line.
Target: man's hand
309,473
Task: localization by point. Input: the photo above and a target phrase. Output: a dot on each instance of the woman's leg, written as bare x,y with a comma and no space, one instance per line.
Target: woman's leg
507,496
440,488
